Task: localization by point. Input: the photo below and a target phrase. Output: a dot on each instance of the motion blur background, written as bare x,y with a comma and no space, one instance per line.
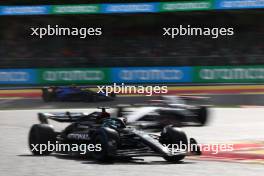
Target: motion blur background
132,50
133,40
132,43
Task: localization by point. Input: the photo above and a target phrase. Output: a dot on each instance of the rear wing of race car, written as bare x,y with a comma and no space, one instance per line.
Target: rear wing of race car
61,117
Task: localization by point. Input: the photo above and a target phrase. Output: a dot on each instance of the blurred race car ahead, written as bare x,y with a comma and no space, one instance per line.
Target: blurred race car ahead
176,110
114,137
73,93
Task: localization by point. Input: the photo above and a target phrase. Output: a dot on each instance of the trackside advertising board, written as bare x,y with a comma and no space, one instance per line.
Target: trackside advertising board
24,10
144,7
186,6
96,76
75,9
130,8
18,76
229,74
239,4
62,76
148,7
151,74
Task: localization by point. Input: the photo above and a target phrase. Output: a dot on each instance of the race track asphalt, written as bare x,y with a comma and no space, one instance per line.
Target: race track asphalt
226,125
38,103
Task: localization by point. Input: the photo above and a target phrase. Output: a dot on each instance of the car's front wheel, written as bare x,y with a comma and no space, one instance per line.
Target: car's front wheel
107,140
174,137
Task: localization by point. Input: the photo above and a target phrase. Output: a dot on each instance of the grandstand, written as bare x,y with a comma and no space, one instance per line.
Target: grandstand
132,40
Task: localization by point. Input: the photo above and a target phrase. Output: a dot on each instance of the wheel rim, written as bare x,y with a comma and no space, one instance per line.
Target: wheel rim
99,154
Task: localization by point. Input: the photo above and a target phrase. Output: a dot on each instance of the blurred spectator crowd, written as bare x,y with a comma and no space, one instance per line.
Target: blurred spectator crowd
133,40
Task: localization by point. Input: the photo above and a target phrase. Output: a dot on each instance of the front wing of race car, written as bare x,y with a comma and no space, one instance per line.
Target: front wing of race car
153,147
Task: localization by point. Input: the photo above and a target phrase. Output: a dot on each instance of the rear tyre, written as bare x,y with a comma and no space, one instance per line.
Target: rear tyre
202,114
41,134
46,95
171,135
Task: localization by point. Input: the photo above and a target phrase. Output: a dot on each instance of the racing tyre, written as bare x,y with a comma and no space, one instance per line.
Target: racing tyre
108,140
41,134
46,96
202,114
172,135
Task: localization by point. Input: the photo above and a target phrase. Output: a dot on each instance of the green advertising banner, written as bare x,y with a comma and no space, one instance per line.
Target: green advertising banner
186,6
74,76
229,74
75,9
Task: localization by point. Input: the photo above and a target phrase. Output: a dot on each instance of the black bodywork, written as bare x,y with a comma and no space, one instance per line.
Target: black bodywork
115,138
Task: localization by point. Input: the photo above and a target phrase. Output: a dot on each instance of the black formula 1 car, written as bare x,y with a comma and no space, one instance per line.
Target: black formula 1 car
73,93
114,137
176,110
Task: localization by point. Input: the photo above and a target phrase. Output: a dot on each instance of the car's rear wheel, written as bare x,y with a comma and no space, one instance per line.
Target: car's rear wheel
40,135
202,114
46,95
171,135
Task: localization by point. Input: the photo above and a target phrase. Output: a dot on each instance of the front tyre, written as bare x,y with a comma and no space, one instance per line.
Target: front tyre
107,139
171,135
41,134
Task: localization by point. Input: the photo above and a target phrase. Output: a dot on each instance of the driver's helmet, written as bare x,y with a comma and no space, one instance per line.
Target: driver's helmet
103,115
115,123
